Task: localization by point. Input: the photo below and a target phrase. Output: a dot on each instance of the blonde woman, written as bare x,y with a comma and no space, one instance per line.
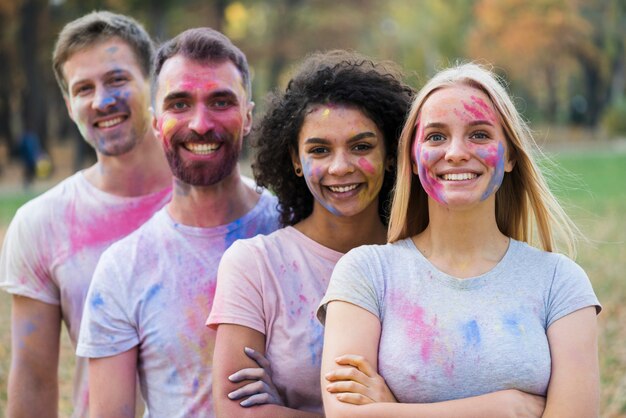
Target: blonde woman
460,313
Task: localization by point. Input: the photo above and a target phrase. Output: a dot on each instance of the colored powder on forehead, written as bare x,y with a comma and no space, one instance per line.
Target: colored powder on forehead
326,112
112,49
486,108
475,111
366,165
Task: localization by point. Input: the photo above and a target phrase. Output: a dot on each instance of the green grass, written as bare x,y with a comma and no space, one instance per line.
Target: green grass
591,188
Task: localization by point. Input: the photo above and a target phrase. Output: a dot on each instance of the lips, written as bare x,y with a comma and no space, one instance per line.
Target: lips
109,123
201,148
343,189
458,176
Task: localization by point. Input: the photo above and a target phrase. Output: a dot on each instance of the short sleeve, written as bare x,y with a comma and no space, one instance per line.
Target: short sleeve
24,258
571,290
354,280
106,328
239,292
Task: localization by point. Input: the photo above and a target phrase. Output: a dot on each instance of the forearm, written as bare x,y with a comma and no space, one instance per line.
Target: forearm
266,411
502,404
29,396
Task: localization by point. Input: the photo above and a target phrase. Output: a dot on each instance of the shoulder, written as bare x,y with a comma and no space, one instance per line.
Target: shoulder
379,252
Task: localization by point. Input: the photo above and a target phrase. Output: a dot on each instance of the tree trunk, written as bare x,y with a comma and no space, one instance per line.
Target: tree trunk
34,97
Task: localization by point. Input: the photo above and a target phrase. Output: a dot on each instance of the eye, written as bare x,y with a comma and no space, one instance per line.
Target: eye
363,147
82,90
222,103
480,135
177,106
118,81
318,150
435,138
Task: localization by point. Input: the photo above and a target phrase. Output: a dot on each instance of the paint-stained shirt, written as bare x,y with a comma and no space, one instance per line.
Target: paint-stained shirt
153,290
445,338
273,284
53,244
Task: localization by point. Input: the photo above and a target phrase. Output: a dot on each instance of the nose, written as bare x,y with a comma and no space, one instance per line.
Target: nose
341,164
103,99
201,121
457,150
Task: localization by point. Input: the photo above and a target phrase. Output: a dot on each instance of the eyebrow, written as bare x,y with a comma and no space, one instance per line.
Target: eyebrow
439,125
355,138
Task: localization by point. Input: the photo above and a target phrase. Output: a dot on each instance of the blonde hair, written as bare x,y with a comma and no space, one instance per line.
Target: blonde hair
525,206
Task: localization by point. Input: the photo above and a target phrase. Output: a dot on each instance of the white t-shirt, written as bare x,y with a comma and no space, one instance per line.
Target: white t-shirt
273,284
154,290
445,338
54,242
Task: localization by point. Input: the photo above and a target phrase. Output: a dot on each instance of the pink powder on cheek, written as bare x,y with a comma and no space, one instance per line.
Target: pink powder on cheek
490,155
366,165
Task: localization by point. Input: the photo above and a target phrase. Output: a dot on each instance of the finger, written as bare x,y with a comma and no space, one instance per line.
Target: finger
257,357
258,399
348,386
256,373
248,390
357,361
347,373
353,398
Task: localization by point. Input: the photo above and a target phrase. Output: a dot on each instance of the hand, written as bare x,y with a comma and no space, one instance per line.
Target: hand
359,384
262,390
524,405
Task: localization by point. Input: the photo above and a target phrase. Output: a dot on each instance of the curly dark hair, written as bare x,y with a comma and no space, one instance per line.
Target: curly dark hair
336,77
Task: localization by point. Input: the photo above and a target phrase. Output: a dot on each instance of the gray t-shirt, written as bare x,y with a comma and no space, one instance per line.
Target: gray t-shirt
154,290
445,338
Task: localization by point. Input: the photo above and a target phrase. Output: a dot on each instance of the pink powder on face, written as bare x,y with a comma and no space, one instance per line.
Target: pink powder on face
486,108
366,165
489,155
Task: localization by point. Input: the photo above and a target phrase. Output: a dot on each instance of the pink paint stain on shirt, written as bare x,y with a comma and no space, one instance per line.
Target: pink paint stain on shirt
104,228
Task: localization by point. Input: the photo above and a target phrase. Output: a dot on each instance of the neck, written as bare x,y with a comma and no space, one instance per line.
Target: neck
462,243
210,206
343,233
141,171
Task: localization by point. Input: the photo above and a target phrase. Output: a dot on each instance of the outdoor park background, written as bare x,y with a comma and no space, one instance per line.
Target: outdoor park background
565,61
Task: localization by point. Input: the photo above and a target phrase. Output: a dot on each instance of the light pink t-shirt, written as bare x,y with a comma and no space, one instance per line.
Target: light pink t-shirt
273,284
53,244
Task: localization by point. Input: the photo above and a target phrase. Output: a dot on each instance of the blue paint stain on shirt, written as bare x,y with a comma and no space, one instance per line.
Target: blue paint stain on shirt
196,386
471,333
172,379
96,300
235,232
153,291
512,324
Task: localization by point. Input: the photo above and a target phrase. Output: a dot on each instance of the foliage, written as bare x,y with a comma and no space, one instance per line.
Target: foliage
614,119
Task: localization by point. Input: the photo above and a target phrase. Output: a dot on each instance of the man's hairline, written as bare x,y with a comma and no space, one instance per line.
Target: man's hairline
207,62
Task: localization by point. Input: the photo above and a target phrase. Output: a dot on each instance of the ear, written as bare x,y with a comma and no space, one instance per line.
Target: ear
155,124
247,123
295,161
509,165
389,164
68,106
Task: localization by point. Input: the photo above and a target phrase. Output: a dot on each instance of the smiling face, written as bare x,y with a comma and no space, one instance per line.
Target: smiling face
341,153
108,96
201,115
460,152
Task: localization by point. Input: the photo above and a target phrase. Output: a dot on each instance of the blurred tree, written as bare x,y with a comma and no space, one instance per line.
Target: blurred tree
569,52
32,34
427,36
8,11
